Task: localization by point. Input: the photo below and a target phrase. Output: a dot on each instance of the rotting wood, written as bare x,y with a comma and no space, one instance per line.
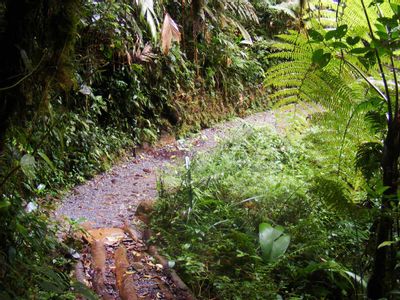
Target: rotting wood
99,266
125,282
133,234
180,284
144,210
107,235
164,289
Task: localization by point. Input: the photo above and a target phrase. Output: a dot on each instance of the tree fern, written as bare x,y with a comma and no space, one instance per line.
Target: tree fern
368,159
348,54
334,193
297,78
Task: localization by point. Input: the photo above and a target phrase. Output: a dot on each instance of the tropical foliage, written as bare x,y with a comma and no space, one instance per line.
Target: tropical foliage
308,211
347,60
268,219
84,80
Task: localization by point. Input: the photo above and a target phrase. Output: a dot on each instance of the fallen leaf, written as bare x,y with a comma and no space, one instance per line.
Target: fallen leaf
130,272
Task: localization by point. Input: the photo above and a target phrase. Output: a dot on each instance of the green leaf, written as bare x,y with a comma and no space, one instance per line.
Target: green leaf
273,241
4,204
47,160
396,9
330,35
368,60
82,290
280,246
386,22
381,31
52,287
386,243
375,2
339,45
21,229
373,103
28,164
341,31
338,33
320,58
315,35
361,50
352,40
266,236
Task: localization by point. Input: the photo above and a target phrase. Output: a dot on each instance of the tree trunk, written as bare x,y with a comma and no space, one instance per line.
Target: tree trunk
37,41
380,281
197,26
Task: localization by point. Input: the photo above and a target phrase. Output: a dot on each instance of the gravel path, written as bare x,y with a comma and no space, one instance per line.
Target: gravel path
112,197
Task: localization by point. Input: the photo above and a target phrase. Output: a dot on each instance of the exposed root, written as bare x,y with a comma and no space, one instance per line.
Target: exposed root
99,266
125,284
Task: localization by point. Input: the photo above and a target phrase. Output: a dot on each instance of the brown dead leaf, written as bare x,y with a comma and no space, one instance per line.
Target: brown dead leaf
169,33
108,235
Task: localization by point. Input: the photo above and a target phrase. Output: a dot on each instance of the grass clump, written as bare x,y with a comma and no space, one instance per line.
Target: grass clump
208,215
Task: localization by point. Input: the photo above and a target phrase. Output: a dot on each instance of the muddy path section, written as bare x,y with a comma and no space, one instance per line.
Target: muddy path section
116,265
112,197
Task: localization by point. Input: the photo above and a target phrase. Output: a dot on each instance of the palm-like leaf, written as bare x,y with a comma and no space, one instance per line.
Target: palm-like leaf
148,13
232,12
169,33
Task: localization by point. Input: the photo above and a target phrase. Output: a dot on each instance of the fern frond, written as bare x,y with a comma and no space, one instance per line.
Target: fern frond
243,8
368,158
376,120
334,193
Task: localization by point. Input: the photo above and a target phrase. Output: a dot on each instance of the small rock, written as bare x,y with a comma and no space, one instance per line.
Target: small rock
138,266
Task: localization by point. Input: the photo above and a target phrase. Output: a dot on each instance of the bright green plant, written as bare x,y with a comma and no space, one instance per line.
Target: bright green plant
273,241
221,250
352,69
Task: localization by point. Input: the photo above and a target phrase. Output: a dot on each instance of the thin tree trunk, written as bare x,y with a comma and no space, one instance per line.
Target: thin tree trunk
197,27
380,281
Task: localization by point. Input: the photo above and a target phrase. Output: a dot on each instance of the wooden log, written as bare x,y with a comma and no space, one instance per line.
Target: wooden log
99,266
164,289
180,284
144,210
125,284
133,234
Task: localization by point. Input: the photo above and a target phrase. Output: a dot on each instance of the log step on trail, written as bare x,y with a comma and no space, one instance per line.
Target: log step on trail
116,264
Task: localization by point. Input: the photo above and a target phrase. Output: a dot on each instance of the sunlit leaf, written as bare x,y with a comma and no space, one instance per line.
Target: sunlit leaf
47,160
273,241
386,243
28,165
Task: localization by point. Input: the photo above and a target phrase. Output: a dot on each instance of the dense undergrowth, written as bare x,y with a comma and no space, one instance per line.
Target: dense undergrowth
85,81
208,223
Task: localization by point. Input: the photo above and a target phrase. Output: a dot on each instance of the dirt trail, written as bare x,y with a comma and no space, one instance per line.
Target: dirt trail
112,197
116,262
